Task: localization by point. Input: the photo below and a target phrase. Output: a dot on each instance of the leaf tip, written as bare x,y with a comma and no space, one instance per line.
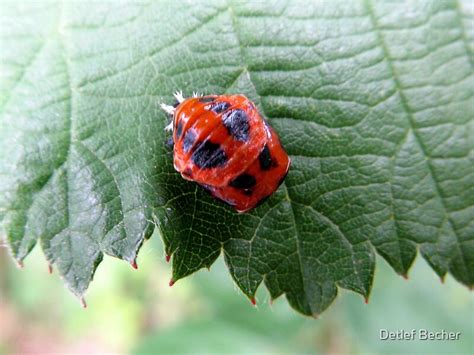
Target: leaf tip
172,282
134,264
366,300
50,269
168,258
19,263
405,276
169,110
253,301
83,302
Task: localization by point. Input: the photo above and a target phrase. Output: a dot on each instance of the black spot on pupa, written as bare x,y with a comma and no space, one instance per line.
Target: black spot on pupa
188,141
209,155
237,123
169,142
179,129
265,159
247,192
219,107
207,99
243,182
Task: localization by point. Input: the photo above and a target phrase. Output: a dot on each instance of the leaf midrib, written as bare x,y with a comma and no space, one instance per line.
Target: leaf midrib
307,294
245,69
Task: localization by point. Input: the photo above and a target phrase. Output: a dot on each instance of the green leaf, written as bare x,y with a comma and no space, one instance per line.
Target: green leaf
372,100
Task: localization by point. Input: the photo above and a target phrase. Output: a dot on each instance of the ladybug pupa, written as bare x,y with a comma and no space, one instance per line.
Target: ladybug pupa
223,143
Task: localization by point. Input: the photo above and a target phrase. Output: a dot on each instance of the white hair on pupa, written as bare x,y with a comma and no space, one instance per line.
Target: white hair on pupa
178,95
168,109
169,127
